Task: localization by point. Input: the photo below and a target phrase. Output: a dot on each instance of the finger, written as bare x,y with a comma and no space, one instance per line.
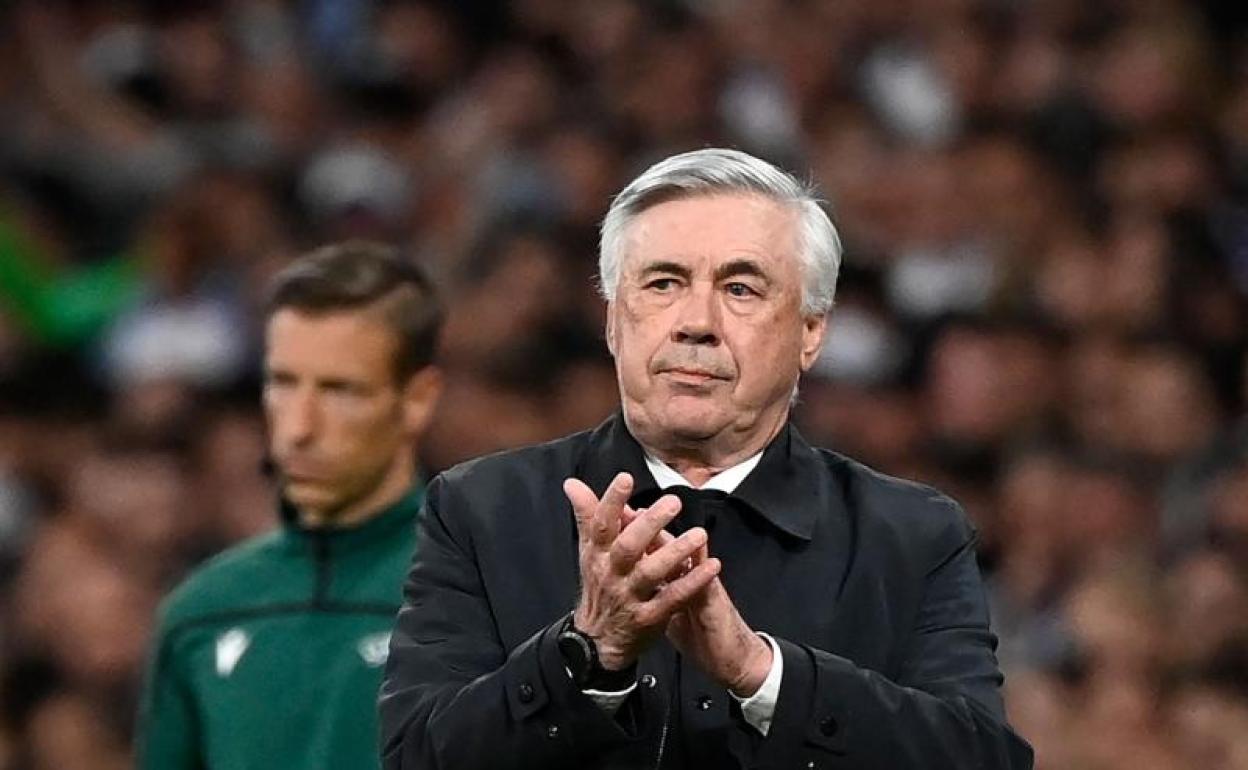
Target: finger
699,598
633,541
584,503
663,538
606,524
678,593
668,562
629,515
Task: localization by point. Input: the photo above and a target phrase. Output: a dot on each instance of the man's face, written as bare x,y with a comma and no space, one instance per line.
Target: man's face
706,327
337,428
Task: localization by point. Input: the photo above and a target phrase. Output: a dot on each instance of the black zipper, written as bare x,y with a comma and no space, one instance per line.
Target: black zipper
324,568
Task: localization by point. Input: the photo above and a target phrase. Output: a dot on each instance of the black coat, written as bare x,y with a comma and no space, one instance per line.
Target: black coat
868,583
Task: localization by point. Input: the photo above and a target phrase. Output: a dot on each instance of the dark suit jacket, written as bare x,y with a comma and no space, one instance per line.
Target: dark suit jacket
868,583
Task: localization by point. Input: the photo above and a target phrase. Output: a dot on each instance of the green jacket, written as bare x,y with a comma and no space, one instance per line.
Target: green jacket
271,654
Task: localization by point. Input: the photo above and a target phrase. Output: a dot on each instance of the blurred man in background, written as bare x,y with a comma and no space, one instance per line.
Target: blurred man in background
270,655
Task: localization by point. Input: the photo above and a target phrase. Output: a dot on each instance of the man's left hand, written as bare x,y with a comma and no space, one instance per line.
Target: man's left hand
713,634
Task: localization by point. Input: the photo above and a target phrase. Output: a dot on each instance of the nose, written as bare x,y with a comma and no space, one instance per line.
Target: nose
297,417
699,320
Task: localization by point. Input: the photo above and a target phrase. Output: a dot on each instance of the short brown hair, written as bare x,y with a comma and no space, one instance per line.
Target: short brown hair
363,275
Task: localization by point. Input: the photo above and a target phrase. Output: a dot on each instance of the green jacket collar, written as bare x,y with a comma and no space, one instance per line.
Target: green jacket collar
380,527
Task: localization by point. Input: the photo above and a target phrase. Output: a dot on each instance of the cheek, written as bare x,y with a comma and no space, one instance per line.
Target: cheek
766,350
636,339
368,430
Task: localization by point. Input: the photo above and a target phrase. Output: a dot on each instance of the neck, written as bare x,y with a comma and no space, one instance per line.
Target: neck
390,489
699,460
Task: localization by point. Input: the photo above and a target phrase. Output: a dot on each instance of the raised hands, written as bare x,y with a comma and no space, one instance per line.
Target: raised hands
633,580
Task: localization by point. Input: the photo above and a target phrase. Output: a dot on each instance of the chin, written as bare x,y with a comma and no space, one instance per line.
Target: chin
692,421
310,497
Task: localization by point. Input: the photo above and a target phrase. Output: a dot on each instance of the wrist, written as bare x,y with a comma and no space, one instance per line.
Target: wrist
758,663
593,667
614,660
610,656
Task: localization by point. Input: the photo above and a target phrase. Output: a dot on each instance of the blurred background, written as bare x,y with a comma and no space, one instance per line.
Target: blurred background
1043,308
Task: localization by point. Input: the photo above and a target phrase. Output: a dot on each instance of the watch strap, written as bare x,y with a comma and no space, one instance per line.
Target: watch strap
580,654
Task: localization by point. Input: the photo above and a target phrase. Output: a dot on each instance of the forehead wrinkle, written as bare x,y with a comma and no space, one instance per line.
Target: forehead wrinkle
777,242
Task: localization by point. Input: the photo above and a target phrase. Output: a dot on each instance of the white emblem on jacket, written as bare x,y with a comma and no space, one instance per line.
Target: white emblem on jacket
374,648
230,647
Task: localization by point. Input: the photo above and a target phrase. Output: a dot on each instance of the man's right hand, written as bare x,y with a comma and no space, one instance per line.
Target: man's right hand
632,581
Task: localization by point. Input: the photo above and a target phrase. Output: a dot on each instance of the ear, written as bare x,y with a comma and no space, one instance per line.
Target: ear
813,329
420,397
610,327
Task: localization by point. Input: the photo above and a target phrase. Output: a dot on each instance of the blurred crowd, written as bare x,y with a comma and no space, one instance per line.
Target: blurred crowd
1043,308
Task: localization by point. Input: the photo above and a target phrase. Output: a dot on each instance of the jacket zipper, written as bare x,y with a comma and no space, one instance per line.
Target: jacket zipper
320,556
658,759
667,714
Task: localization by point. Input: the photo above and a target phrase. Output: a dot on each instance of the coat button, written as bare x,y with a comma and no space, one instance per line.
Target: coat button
705,703
648,681
828,726
525,693
552,732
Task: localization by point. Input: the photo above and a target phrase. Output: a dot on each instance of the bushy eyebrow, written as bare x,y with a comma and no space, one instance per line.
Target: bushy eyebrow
738,267
667,268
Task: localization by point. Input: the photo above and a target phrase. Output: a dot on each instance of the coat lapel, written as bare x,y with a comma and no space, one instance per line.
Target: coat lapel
791,578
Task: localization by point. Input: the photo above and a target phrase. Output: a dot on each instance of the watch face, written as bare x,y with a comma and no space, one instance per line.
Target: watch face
577,654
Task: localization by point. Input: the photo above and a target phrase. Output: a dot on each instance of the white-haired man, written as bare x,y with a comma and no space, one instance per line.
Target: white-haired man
691,584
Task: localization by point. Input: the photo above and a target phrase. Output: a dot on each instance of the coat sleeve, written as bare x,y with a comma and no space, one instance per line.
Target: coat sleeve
942,711
168,733
453,696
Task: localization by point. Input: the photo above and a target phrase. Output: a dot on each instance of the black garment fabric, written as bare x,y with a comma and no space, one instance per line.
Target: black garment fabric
698,507
868,584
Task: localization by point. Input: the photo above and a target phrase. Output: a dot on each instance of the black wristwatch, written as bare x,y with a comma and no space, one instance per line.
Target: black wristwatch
580,655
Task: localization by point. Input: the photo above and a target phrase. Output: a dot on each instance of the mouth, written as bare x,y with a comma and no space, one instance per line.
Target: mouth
299,473
686,376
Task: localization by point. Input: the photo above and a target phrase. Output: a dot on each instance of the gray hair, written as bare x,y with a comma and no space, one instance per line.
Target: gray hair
716,170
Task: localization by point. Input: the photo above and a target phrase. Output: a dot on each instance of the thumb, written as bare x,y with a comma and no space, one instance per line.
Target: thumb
678,629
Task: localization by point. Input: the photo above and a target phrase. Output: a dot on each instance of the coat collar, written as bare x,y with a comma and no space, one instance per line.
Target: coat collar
786,488
398,515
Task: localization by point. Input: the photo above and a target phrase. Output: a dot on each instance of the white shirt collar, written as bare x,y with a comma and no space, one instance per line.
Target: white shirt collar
725,481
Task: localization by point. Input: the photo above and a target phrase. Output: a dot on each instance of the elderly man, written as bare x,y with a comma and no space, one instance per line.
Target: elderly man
691,584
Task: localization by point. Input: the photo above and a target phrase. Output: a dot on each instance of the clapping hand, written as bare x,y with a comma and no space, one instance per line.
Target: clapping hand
709,630
633,580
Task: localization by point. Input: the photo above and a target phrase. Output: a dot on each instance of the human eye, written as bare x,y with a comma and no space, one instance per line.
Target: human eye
344,390
740,290
662,284
274,380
